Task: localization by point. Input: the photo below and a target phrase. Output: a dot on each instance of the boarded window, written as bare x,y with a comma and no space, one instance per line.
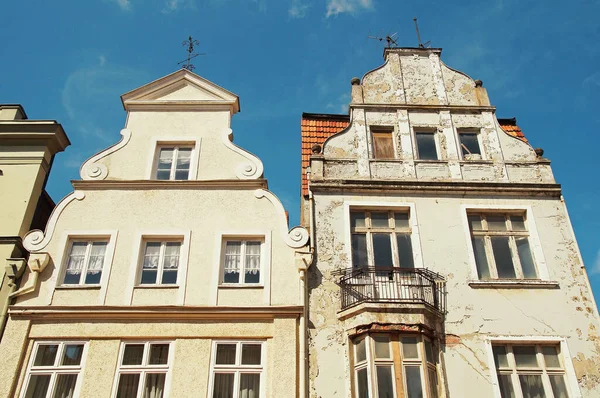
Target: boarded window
383,145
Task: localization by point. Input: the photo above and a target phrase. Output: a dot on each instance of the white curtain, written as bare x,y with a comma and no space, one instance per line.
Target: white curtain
65,386
76,258
249,385
232,257
252,257
96,257
152,255
183,159
532,386
223,385
155,385
172,255
165,159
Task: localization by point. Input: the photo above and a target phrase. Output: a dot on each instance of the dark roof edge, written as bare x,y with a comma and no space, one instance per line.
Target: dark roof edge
508,122
326,116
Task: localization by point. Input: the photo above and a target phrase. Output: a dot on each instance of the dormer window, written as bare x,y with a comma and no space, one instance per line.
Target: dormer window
173,162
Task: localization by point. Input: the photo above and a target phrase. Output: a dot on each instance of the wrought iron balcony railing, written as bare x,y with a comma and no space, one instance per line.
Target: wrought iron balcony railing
392,285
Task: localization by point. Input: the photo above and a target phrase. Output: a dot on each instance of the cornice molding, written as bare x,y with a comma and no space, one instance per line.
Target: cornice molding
91,170
36,240
461,108
97,185
296,237
251,170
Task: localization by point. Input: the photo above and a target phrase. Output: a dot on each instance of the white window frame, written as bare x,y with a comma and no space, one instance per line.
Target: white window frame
565,357
470,130
156,143
385,206
86,262
161,259
436,139
238,368
534,239
144,368
55,370
243,239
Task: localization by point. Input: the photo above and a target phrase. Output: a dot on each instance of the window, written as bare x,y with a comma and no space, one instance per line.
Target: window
469,145
173,162
84,262
426,149
381,238
242,262
530,371
501,246
383,143
54,370
237,369
160,263
143,370
380,360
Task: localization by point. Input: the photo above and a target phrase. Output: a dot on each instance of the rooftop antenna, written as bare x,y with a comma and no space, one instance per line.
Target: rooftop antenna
391,40
421,45
187,63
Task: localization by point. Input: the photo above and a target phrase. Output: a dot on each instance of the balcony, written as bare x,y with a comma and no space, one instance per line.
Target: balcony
392,285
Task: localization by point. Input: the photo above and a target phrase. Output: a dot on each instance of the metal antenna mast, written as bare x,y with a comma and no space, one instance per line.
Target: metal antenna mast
391,40
421,45
190,43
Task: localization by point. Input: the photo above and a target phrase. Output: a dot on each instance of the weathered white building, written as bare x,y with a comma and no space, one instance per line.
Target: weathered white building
446,264
168,272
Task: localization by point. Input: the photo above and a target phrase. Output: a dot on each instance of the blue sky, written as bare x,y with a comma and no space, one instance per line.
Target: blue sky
70,61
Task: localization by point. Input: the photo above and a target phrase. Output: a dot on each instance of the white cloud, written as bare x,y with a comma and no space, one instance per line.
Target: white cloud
298,9
125,5
102,60
595,269
336,7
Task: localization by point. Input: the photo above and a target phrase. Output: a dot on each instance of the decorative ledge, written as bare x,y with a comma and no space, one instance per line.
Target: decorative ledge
156,287
514,284
78,287
240,286
168,184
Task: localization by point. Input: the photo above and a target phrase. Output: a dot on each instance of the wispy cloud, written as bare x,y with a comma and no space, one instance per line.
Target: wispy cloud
336,7
125,5
298,9
174,5
595,269
341,105
262,5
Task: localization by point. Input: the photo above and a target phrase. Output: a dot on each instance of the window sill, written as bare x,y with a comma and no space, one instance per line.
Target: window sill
240,286
476,161
514,284
156,287
428,161
78,287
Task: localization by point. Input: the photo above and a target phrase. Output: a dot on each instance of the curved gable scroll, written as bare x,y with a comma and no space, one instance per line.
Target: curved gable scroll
296,237
244,171
91,170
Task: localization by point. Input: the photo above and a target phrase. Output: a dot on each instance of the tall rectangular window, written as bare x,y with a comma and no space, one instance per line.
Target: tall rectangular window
381,238
469,145
143,370
173,162
54,370
426,148
530,371
84,262
501,246
383,144
160,262
237,369
241,262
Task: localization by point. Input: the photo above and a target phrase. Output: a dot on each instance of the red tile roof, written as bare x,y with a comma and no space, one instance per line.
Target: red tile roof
316,128
510,127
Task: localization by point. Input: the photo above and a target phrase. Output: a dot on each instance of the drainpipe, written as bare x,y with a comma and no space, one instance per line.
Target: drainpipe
12,272
37,263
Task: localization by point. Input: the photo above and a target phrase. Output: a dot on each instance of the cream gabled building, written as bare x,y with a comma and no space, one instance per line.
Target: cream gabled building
168,272
446,264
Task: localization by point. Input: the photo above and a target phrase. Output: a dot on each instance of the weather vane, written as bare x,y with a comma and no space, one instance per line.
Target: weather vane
187,63
421,45
390,39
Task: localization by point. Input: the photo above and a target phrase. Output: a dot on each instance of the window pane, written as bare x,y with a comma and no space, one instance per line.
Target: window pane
361,353
496,223
526,259
518,223
532,386
154,387
252,262
500,357
483,269
249,385
171,260
414,387
426,146
357,219
183,159
410,347
506,387
75,263
385,385
128,385
401,221
525,356
251,354
163,174
383,145
45,356
233,259
429,351
363,388
65,386
405,251
225,354
551,356
382,346
382,250
169,277
38,386
93,277
223,385
133,354
475,223
148,277
359,250
151,255
72,355
380,219
503,257
181,174
159,354
165,159
433,385
469,144
558,386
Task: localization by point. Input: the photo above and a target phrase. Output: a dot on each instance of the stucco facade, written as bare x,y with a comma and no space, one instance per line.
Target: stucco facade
479,266
196,256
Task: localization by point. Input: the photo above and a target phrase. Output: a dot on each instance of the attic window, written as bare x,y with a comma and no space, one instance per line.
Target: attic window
469,144
383,143
173,162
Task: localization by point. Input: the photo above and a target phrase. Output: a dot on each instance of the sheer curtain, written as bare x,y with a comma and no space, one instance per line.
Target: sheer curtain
249,385
96,261
532,386
233,252
252,257
223,385
65,386
76,258
128,385
155,385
